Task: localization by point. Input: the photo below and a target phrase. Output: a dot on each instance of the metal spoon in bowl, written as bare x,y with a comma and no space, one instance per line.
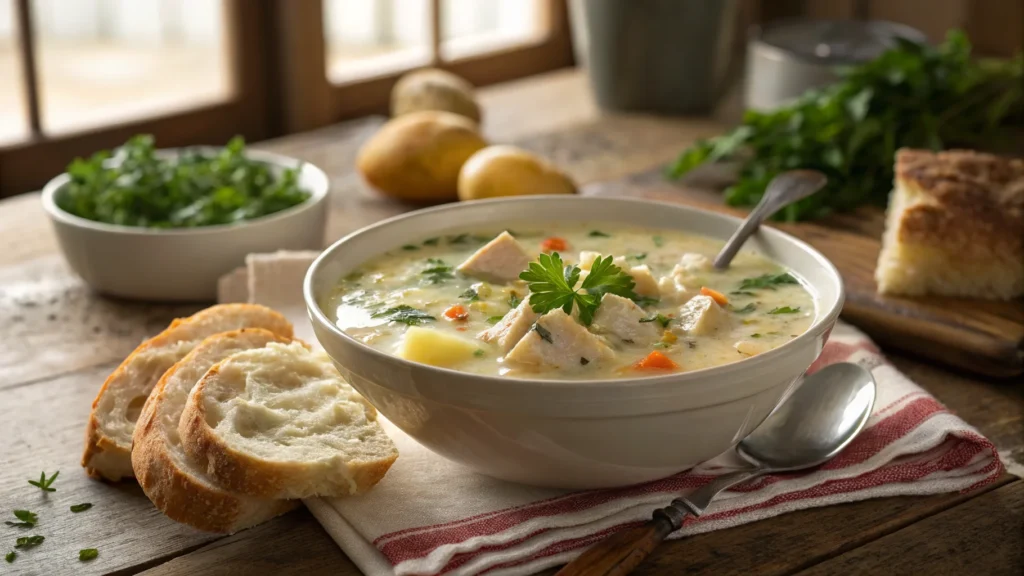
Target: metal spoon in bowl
784,189
814,424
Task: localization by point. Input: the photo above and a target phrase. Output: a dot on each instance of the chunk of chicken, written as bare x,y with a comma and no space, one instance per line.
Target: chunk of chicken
507,332
671,292
751,348
557,341
587,258
500,260
690,267
646,285
701,316
621,317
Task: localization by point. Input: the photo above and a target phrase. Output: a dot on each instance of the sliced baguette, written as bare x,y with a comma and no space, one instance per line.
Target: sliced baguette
108,435
279,422
177,486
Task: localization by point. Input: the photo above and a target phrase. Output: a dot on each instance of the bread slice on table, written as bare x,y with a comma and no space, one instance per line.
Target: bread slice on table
279,422
179,487
108,435
955,226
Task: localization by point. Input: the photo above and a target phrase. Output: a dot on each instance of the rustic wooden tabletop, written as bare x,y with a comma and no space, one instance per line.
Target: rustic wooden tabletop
58,341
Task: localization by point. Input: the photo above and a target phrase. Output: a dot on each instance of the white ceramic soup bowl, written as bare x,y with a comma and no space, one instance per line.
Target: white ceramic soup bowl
184,264
572,433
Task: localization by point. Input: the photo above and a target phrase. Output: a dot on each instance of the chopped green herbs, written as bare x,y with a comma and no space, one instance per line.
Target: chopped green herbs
755,335
43,483
638,257
913,95
494,319
514,300
11,556
658,241
784,310
470,295
553,285
27,519
438,272
410,247
88,554
659,318
742,293
431,241
598,234
137,187
81,507
458,239
543,332
644,301
404,314
744,310
28,541
662,344
769,281
479,353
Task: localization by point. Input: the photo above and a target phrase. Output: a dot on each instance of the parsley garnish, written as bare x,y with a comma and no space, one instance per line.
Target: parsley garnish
458,239
410,247
494,319
404,314
553,285
755,335
431,241
81,507
88,554
784,310
28,519
643,301
744,310
769,281
638,257
438,271
470,295
543,332
598,234
514,300
658,241
11,556
28,541
742,293
659,318
44,484
479,353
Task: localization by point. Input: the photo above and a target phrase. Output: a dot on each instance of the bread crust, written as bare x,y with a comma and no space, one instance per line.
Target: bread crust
175,491
242,473
969,202
106,458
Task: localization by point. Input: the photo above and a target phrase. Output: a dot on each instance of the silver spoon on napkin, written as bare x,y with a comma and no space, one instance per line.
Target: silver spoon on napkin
812,426
784,189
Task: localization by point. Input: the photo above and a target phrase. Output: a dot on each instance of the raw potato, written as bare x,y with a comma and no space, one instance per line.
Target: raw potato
509,171
434,347
417,157
434,89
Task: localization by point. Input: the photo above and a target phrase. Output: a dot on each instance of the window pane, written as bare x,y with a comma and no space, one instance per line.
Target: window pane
475,26
104,62
375,37
13,116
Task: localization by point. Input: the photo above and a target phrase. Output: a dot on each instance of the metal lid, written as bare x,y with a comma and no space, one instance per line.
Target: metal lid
833,42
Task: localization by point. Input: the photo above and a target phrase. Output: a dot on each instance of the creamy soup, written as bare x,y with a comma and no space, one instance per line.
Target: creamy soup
595,300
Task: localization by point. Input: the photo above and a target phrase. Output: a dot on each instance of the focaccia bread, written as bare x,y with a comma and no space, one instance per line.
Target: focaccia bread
955,226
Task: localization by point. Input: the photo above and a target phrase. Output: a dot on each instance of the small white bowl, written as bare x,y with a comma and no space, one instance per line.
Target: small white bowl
572,433
184,264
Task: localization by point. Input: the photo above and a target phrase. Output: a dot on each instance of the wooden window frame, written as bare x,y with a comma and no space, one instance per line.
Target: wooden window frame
26,165
309,99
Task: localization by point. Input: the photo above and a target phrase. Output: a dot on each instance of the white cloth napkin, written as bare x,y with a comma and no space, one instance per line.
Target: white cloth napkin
431,516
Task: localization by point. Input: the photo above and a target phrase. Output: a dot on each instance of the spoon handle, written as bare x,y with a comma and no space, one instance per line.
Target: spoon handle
784,189
620,553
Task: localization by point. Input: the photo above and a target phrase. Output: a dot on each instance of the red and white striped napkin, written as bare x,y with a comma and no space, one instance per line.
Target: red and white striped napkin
430,516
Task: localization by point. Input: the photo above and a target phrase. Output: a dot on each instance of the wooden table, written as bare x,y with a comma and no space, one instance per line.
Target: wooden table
58,341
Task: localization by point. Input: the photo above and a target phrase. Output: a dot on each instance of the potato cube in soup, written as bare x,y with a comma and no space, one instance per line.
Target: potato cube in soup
434,347
702,316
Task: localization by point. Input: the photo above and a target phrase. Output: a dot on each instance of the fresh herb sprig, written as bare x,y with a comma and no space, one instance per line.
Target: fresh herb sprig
911,96
766,281
659,318
45,483
27,519
29,541
404,314
553,285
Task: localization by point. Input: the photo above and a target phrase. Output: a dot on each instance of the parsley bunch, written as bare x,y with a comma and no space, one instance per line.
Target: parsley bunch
553,285
136,188
911,96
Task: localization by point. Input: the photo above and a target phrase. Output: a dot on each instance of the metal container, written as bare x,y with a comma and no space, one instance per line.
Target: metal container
786,58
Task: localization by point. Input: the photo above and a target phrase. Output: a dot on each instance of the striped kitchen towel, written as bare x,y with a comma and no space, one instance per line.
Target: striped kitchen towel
430,516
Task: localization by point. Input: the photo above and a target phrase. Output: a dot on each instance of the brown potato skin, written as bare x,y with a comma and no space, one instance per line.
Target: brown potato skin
499,171
434,89
417,157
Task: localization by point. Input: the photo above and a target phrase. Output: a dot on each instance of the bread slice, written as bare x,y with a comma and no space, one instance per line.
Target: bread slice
955,226
108,435
177,486
279,422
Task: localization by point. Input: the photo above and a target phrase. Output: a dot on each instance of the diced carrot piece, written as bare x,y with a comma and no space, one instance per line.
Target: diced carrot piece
714,295
457,312
554,244
656,361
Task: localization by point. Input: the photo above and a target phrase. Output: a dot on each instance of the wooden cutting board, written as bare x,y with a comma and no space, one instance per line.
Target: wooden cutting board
982,336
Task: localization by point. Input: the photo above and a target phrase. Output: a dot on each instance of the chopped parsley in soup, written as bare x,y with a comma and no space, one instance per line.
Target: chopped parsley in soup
582,301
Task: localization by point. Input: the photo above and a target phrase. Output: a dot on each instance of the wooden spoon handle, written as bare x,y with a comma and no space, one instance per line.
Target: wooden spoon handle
619,554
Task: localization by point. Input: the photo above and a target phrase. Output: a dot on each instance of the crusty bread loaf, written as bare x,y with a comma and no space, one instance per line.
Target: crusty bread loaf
279,422
955,226
108,436
177,486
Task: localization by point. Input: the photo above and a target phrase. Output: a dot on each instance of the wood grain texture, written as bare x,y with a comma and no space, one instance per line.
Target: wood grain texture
621,553
983,336
994,546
